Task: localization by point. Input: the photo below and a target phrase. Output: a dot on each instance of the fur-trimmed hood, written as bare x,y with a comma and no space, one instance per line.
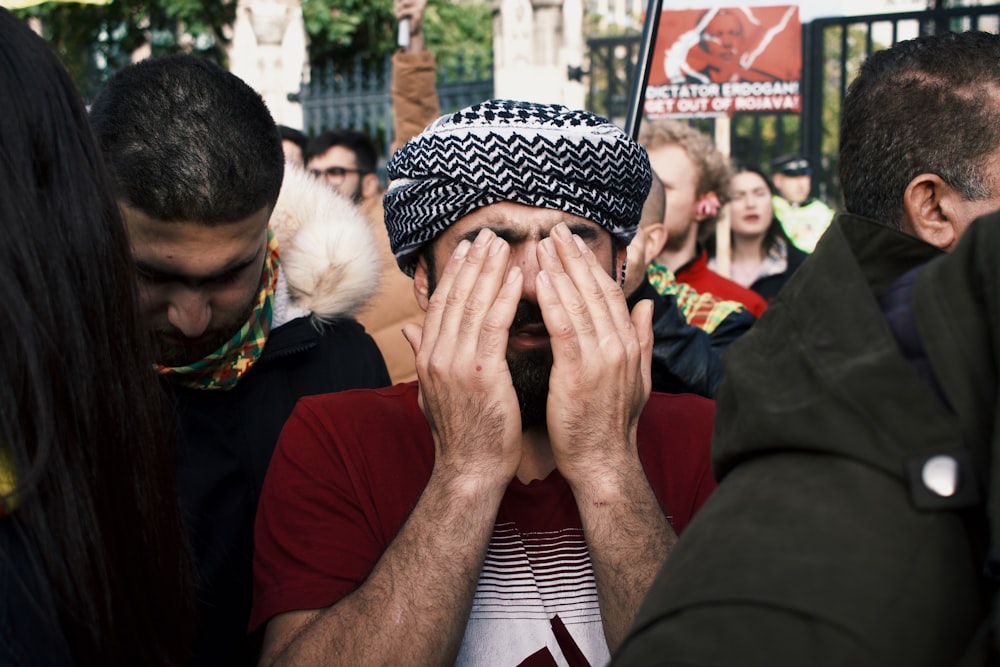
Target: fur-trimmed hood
329,257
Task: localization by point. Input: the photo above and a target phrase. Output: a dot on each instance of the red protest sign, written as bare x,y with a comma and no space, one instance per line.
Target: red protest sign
714,62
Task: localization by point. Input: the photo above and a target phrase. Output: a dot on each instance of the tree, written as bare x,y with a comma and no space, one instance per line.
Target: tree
96,40
343,30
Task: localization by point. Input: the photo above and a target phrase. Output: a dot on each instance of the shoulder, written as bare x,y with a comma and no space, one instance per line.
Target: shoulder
328,354
378,416
355,427
675,445
795,256
678,417
397,401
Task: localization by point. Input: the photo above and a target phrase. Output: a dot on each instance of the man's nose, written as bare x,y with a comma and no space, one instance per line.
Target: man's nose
527,259
189,311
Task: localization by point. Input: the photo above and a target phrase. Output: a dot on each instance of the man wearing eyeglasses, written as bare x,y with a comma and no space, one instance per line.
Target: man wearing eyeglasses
345,160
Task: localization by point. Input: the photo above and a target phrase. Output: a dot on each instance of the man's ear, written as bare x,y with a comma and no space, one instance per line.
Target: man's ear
655,237
930,206
420,283
706,207
369,186
621,254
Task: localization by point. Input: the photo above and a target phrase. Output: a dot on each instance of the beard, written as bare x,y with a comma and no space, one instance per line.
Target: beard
168,352
358,195
530,370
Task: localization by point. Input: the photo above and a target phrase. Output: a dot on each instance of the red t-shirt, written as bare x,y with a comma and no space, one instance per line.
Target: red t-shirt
349,467
706,281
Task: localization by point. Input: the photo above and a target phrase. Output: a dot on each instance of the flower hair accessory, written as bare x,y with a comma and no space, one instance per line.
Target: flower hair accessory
708,206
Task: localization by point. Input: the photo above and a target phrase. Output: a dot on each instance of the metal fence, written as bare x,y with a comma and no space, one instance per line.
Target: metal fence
359,98
833,50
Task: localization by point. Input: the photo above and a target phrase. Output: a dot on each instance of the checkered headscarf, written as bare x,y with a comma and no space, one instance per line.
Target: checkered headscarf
543,155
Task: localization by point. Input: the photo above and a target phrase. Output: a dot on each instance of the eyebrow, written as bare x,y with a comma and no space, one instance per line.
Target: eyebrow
585,232
155,273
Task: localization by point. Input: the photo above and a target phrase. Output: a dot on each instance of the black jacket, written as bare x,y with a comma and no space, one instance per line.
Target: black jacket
330,266
685,358
769,286
225,443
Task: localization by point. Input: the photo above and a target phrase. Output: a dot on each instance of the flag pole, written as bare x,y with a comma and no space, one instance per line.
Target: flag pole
643,63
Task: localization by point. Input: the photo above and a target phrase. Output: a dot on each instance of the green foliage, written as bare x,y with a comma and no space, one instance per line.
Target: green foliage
342,30
96,40
459,32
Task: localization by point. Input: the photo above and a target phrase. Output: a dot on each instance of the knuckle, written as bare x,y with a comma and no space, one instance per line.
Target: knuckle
576,307
454,300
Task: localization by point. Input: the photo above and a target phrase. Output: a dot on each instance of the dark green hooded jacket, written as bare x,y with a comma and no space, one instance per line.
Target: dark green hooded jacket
822,544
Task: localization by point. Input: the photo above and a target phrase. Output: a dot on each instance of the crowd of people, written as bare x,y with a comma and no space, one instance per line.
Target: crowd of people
259,408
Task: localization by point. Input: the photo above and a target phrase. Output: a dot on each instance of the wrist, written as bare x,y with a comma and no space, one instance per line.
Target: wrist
416,43
604,480
469,486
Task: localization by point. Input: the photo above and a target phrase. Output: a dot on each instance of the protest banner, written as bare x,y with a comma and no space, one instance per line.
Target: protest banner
724,60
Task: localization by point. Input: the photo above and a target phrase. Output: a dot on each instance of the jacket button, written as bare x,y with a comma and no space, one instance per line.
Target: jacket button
940,475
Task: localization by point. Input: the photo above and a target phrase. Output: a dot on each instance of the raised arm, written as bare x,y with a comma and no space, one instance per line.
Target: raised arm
599,384
415,100
413,607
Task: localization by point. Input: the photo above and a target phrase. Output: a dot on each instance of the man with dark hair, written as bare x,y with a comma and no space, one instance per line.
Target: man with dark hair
849,526
511,506
346,161
333,156
293,143
247,296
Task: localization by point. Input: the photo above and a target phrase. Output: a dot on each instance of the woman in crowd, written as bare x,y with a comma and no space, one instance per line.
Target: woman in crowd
763,258
93,567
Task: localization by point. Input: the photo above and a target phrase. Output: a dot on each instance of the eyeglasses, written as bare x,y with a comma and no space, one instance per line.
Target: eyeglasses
334,172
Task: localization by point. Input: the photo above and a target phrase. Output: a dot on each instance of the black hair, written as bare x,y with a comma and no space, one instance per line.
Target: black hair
927,105
358,143
297,137
81,417
187,141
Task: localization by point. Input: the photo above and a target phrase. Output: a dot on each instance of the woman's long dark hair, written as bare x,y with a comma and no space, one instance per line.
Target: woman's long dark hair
81,417
774,230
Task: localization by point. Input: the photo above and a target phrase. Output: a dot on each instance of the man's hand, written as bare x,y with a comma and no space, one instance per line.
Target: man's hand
414,11
600,382
600,377
466,390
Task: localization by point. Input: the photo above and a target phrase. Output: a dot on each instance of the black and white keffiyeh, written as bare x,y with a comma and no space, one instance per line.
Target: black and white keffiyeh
544,155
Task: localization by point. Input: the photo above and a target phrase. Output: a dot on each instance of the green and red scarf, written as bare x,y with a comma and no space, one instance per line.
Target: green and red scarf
223,368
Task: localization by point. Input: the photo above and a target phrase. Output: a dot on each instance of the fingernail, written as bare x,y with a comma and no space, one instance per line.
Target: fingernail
514,272
483,237
543,278
497,246
579,243
547,246
561,232
462,249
